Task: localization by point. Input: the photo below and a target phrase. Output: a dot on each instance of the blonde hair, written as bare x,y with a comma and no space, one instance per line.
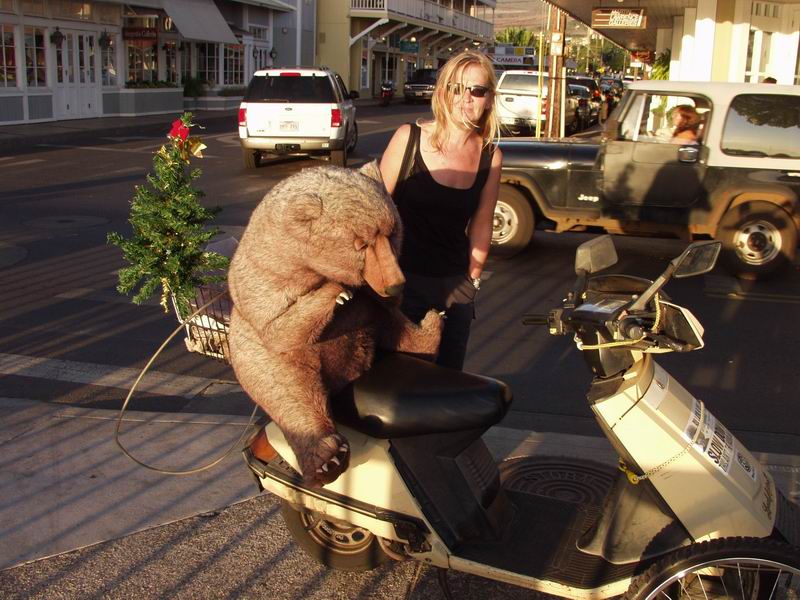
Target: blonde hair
443,96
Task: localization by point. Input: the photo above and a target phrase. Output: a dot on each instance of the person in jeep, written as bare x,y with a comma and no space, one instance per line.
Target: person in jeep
686,122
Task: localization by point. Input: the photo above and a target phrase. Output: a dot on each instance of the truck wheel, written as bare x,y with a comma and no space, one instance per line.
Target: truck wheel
513,222
759,239
339,157
352,146
335,544
251,158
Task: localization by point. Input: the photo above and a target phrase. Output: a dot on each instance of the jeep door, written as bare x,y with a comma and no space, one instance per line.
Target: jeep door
646,168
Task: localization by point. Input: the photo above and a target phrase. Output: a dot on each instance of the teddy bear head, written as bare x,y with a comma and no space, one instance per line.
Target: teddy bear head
341,224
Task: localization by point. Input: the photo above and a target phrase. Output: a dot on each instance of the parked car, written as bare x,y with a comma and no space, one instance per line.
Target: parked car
739,182
420,86
297,111
517,100
596,99
583,110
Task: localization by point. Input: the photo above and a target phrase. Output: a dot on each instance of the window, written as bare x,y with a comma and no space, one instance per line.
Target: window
71,9
519,83
35,67
33,7
233,71
259,33
171,62
207,63
7,6
8,68
108,57
310,89
142,63
186,60
107,13
763,125
664,119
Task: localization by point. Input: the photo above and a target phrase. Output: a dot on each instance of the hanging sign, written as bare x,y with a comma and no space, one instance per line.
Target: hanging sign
619,18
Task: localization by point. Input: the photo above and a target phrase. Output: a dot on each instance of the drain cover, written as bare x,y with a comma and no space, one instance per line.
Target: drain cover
66,222
561,478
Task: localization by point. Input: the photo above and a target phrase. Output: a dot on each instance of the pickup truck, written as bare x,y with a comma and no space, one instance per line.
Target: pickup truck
738,180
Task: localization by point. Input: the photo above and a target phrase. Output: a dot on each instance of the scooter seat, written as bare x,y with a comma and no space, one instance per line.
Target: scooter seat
402,396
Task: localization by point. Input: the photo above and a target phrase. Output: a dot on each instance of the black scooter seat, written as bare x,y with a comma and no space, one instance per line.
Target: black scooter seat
402,396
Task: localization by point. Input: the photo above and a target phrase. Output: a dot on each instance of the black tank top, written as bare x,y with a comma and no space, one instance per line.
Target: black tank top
435,218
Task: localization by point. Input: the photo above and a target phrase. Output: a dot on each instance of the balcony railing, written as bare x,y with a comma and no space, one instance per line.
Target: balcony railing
431,12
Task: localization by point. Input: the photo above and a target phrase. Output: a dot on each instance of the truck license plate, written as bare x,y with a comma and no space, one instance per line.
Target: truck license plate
418,93
288,125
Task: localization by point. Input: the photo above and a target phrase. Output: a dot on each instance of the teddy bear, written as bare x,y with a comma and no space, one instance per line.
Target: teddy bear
314,283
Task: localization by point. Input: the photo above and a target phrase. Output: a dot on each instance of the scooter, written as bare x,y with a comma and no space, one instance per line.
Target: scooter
690,512
387,93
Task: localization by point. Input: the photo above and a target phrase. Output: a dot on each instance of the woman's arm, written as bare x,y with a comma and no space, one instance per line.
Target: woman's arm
480,226
392,158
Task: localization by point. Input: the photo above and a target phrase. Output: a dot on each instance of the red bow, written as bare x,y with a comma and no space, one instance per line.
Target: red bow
179,130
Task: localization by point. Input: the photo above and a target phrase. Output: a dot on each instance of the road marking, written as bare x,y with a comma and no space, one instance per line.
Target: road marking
24,162
154,382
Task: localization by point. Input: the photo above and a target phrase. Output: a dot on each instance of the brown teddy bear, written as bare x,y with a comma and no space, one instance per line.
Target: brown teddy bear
312,283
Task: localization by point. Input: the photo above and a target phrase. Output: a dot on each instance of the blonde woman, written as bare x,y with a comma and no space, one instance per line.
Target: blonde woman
447,201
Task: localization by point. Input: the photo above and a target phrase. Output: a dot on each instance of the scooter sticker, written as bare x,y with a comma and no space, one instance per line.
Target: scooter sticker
742,461
711,437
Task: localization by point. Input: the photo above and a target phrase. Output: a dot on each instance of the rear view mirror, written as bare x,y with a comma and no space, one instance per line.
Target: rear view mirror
698,258
595,255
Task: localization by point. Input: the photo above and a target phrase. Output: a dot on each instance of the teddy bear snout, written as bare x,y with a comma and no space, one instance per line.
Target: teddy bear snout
395,291
381,271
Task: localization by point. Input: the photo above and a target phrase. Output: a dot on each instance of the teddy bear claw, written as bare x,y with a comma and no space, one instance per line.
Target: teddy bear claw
344,297
334,454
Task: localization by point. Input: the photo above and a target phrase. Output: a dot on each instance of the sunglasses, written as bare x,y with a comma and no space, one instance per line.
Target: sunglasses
476,91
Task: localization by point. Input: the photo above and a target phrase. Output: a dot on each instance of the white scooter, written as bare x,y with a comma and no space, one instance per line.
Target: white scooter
690,513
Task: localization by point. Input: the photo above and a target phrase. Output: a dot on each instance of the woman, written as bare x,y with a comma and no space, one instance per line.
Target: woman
447,202
686,122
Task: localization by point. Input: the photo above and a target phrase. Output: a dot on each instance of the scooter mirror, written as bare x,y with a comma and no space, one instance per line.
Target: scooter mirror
698,258
595,255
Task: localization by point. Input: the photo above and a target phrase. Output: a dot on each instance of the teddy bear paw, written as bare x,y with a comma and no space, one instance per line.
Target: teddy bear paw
329,459
344,297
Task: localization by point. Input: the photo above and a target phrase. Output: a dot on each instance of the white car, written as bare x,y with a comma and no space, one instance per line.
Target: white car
517,100
297,111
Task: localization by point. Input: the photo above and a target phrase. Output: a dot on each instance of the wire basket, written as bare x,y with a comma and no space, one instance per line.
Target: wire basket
207,325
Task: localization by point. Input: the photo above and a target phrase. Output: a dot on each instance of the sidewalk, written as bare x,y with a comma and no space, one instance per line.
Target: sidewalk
64,484
15,139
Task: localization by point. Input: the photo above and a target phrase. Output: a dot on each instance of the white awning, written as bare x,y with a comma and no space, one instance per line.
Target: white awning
199,20
273,4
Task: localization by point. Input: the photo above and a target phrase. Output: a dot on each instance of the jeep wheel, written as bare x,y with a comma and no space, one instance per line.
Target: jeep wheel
251,158
339,157
759,239
513,222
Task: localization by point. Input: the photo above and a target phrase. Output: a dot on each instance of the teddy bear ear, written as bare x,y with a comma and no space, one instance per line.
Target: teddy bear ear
372,170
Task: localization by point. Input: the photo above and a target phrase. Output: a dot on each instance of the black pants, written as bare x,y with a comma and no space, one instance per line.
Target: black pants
453,294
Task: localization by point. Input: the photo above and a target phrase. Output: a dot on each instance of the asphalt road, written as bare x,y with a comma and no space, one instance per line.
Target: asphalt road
58,304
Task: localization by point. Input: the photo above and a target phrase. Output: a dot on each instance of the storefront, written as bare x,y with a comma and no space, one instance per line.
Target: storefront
70,59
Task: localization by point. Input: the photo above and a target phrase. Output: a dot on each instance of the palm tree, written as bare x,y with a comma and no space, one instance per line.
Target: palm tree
516,36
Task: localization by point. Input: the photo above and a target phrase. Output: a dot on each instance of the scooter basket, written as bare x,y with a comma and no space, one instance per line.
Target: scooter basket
207,325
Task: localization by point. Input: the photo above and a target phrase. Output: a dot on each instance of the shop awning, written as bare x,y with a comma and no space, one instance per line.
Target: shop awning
199,20
273,4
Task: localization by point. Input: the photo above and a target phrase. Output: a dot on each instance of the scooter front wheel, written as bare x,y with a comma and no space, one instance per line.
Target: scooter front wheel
335,544
728,568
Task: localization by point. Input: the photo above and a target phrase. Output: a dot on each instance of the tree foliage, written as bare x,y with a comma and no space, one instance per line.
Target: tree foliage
661,65
516,36
169,227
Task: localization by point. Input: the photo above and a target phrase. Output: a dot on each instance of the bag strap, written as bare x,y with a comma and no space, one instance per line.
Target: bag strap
408,160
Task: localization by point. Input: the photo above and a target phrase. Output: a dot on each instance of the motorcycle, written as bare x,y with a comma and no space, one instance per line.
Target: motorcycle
690,512
387,93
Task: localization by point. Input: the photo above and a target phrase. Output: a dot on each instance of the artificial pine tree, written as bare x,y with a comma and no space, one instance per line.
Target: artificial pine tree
170,232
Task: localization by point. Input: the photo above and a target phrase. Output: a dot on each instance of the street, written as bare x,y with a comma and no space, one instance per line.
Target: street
67,337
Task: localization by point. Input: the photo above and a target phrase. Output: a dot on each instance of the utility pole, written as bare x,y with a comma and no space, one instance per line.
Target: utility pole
558,26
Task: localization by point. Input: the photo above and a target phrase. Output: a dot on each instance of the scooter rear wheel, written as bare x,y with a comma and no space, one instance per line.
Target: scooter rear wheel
729,568
335,544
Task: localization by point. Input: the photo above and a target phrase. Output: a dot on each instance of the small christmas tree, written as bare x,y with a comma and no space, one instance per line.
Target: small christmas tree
170,232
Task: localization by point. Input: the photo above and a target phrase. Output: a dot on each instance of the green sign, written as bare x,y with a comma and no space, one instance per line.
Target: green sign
406,46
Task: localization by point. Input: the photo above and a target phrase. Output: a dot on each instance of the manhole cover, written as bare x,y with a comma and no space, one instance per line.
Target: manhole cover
66,222
569,480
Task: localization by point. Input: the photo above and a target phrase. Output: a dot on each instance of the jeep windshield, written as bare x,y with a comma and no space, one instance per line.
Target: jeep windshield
293,88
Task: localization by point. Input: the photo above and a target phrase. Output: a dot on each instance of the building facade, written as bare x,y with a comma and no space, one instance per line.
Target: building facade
72,59
371,41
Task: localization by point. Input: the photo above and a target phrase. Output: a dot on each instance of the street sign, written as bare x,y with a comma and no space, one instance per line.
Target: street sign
406,46
557,43
619,18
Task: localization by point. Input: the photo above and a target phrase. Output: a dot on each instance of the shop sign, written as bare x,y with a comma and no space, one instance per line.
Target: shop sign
619,18
139,33
500,59
645,56
406,46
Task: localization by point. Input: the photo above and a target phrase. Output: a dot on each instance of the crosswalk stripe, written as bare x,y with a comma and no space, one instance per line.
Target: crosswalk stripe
154,382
